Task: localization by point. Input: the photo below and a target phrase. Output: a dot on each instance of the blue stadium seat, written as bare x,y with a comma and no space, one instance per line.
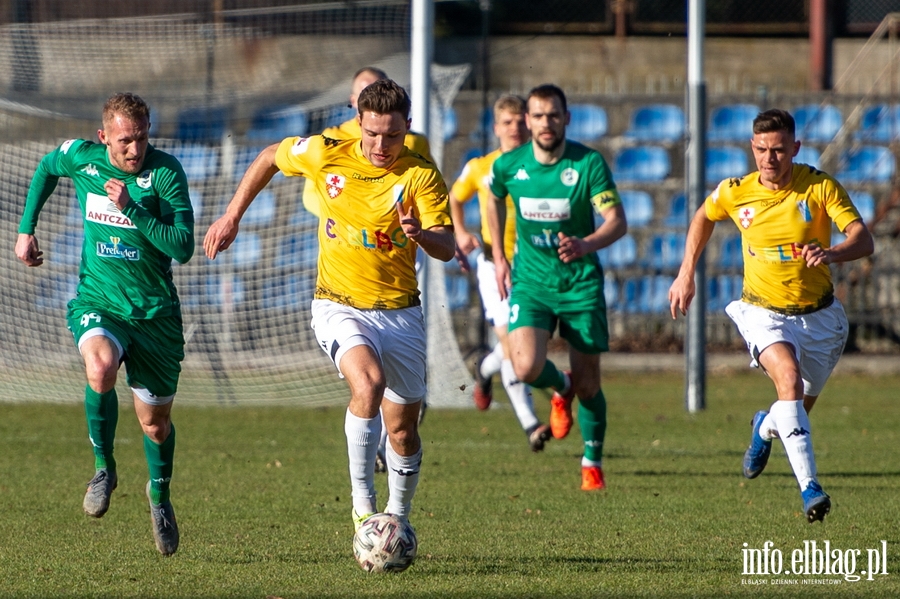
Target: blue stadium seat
472,215
731,253
638,207
198,161
880,123
337,114
658,293
291,293
666,251
643,164
274,123
611,292
196,202
588,123
657,123
808,155
220,289
864,203
867,164
65,249
243,157
246,250
677,216
733,122
621,254
262,211
449,124
725,162
722,290
55,291
300,251
202,124
457,286
464,159
816,123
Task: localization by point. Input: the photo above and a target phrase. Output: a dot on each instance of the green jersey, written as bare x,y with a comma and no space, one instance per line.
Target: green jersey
550,199
126,258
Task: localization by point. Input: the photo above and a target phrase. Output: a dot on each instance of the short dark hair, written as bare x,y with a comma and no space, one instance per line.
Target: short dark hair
125,104
774,120
375,71
548,91
383,97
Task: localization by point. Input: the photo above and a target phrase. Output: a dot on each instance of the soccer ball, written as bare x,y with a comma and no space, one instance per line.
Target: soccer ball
385,543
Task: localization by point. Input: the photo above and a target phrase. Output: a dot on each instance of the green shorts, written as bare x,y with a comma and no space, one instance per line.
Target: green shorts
153,348
580,313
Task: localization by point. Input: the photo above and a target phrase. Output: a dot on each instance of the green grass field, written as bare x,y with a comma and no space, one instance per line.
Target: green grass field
262,498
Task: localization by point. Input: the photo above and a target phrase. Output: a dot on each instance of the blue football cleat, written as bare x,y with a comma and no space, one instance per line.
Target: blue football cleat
816,503
757,455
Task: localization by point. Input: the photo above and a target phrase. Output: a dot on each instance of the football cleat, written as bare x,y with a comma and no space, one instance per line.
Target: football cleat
757,455
358,519
483,392
561,411
165,529
539,436
592,478
816,503
96,499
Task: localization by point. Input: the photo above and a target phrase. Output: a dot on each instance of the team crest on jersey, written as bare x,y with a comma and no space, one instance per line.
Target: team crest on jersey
569,177
143,180
334,184
746,217
300,146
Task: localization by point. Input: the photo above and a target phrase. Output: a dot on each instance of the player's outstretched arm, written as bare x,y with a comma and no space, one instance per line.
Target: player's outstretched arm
222,233
28,251
682,291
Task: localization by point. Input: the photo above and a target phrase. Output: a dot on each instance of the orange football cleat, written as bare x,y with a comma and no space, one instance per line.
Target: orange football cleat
561,411
592,478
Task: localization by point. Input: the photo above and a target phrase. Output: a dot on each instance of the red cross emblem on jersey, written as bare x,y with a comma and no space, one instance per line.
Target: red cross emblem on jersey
334,184
745,217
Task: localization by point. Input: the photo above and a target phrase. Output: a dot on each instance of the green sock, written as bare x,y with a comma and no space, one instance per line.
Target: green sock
102,411
159,462
592,420
550,376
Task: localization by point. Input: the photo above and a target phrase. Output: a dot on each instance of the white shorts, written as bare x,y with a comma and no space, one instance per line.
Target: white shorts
396,336
496,310
818,339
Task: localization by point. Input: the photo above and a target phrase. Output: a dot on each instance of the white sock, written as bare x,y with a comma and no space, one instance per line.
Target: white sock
382,439
519,396
794,430
492,362
586,462
768,430
362,442
401,487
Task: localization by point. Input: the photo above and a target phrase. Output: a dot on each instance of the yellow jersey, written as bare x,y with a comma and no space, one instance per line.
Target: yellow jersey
350,130
774,225
473,180
365,259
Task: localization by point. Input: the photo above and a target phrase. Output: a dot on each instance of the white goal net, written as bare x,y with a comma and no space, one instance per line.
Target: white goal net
220,86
